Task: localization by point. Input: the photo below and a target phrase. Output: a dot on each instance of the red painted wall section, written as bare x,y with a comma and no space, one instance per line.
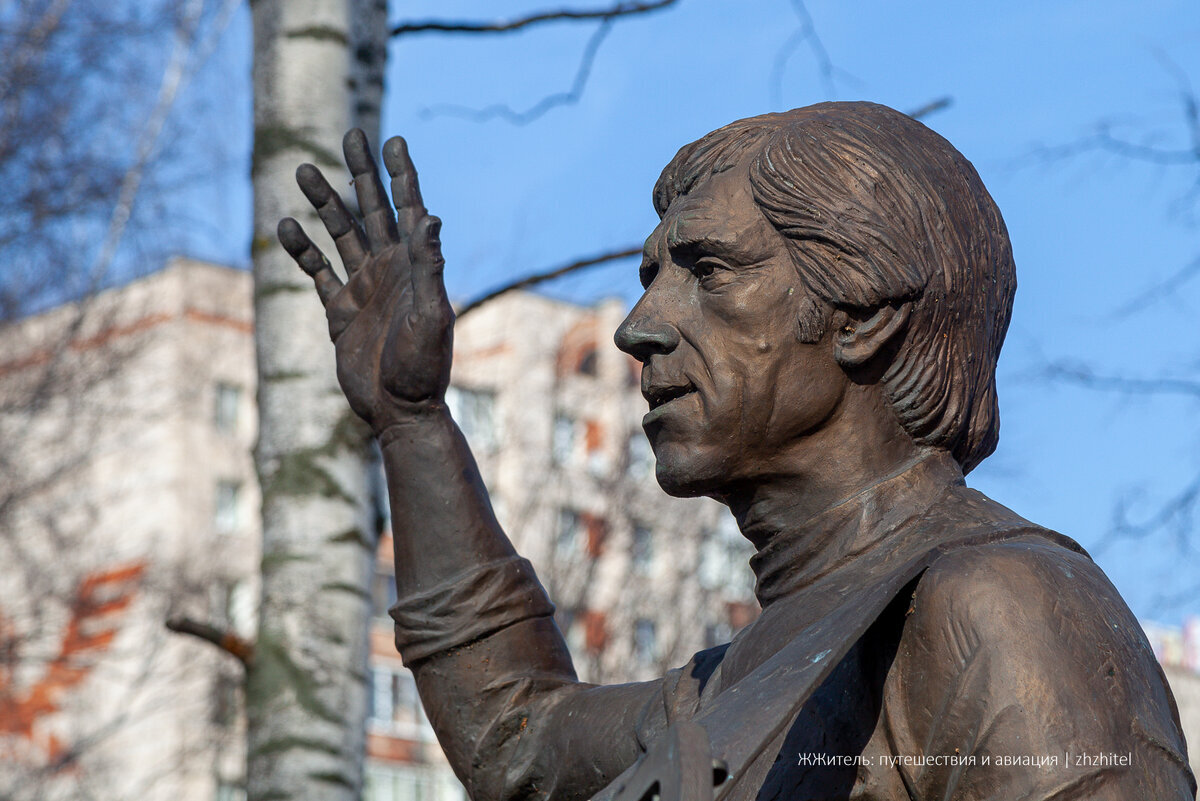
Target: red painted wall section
595,630
96,612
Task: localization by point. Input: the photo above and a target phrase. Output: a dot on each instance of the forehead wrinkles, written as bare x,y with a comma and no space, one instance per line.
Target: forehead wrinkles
719,214
667,234
695,225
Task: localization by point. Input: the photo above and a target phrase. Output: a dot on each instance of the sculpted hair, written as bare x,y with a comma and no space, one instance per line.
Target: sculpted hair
879,209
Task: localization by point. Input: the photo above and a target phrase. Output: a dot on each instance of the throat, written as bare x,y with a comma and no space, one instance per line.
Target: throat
795,548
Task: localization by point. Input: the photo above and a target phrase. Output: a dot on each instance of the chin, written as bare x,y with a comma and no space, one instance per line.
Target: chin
686,475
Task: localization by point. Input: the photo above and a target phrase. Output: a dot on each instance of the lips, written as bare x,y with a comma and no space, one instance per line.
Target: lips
660,394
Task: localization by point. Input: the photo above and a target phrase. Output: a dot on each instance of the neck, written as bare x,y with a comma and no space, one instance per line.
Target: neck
861,445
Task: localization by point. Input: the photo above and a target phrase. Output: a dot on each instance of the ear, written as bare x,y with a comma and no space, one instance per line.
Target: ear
857,340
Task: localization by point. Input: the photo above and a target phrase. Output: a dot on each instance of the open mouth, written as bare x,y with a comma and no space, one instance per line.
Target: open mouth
657,396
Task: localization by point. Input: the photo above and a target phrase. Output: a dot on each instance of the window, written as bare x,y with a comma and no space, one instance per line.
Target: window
713,564
645,642
641,551
227,398
724,556
716,634
562,443
587,362
597,459
226,516
569,540
641,458
412,783
475,412
232,605
394,704
597,533
226,700
573,625
499,508
378,488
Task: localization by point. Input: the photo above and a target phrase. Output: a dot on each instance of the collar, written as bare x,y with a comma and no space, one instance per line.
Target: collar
799,555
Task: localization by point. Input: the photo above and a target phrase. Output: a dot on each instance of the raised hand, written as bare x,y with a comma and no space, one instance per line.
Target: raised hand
390,322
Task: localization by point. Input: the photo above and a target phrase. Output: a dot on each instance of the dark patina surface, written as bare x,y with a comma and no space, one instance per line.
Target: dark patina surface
825,300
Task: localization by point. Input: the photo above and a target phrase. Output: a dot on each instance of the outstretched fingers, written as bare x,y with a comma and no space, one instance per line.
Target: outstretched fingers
310,258
372,201
406,192
347,235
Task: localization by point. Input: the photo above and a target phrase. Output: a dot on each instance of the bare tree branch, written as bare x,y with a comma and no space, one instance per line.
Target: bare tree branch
1176,516
632,250
1104,137
932,107
1173,283
1084,376
508,26
807,32
233,644
506,112
1171,601
1187,97
557,272
172,81
188,52
1177,513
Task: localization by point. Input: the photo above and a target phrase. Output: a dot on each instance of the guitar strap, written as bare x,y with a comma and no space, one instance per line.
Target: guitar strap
756,712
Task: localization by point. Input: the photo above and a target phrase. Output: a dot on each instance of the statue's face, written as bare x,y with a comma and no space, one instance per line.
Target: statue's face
733,392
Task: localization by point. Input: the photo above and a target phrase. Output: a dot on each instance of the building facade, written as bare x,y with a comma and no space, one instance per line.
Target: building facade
127,496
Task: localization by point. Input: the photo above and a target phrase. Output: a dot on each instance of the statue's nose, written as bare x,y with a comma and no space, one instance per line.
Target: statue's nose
642,335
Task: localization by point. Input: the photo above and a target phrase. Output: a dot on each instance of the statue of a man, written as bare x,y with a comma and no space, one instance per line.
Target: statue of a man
825,299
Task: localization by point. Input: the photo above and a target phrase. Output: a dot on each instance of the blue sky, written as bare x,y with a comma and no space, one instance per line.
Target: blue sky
1090,232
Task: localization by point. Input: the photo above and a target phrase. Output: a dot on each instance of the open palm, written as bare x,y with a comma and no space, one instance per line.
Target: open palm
391,322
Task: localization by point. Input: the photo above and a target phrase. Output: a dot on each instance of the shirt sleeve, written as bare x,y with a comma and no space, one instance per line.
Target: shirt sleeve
469,607
501,692
1021,674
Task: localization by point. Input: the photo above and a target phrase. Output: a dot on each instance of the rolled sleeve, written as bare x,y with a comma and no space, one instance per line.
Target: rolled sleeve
468,607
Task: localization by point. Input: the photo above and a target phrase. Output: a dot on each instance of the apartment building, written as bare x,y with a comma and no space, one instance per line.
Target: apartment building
127,495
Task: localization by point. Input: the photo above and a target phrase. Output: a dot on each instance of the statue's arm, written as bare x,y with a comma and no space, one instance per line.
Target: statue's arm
392,328
477,631
472,620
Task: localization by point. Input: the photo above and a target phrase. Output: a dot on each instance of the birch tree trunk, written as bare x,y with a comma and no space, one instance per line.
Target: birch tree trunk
318,70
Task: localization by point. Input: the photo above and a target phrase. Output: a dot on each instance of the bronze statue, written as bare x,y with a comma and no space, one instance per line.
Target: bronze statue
825,300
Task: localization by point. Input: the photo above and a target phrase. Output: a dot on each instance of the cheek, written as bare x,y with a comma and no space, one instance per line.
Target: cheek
731,397
804,398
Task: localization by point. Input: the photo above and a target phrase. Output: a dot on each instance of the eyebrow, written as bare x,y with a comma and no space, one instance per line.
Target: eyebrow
692,233
698,240
697,236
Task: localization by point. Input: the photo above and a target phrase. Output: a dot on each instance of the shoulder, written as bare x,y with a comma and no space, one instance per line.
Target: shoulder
1028,577
1029,642
1035,624
1028,594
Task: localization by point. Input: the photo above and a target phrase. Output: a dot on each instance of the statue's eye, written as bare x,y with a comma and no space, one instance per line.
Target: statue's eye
705,266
